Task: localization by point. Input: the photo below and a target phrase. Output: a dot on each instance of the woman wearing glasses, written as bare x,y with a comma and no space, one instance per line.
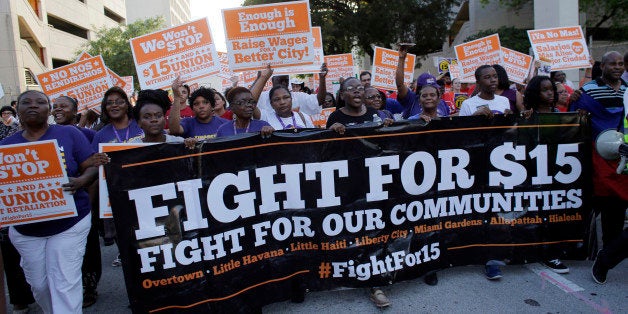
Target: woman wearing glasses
282,117
376,99
116,111
120,128
353,110
243,106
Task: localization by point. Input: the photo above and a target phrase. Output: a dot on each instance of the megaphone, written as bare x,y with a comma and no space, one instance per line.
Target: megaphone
611,146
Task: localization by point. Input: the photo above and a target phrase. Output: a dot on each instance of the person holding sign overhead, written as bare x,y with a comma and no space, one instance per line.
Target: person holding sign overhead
408,98
52,251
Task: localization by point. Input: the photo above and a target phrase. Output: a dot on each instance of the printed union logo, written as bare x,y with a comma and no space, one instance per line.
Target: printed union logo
577,47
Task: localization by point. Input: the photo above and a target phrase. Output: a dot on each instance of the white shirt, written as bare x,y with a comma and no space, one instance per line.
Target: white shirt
303,102
498,105
272,119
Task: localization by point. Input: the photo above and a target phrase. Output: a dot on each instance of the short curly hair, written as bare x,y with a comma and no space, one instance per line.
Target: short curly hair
204,92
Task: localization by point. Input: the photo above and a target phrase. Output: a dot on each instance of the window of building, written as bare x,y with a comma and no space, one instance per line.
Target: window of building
29,77
58,63
67,27
112,15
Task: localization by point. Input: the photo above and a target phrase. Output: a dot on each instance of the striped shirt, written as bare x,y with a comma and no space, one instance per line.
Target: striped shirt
604,94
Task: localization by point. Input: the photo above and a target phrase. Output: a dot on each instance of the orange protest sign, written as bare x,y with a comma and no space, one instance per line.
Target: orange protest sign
86,80
278,33
225,71
186,50
517,64
320,120
319,56
473,54
105,205
385,65
128,87
338,66
31,176
564,46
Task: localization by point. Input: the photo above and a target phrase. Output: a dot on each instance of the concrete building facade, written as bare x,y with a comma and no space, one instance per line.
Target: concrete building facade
175,12
44,34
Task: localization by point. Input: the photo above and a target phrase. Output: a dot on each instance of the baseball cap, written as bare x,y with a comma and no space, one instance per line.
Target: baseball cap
426,79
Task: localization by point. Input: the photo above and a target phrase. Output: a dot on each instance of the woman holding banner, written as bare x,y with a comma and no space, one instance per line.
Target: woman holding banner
353,110
120,128
429,97
116,110
204,124
376,99
541,97
243,106
52,251
282,117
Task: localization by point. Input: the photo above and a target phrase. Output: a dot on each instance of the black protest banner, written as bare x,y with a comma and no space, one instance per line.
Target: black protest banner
236,224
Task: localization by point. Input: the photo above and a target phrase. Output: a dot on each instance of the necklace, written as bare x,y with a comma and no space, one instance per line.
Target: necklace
235,131
283,125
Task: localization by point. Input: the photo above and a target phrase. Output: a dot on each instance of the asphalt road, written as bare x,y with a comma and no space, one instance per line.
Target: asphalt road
527,288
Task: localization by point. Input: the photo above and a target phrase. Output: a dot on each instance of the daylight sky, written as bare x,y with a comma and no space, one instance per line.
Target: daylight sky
212,10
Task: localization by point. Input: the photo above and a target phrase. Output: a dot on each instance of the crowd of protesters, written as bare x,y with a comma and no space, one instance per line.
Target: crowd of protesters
57,263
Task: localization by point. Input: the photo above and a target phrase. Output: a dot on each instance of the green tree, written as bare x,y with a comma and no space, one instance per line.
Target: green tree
363,23
613,12
113,45
509,37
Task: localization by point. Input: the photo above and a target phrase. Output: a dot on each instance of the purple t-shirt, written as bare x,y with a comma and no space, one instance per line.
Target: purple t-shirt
412,106
75,149
228,128
110,135
201,131
89,133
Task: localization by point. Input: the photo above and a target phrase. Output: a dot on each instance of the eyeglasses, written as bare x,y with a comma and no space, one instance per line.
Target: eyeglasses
245,102
7,113
350,89
285,98
118,102
373,97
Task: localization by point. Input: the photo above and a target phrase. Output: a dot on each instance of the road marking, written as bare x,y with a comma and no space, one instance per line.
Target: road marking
554,278
567,286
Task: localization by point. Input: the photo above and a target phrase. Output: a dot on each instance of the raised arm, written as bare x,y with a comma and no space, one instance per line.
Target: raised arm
322,87
258,85
174,119
402,89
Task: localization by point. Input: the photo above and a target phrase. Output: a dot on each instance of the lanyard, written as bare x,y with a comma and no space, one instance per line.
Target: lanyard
235,131
283,125
126,138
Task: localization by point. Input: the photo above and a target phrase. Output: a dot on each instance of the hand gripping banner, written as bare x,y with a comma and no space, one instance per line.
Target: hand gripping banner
242,222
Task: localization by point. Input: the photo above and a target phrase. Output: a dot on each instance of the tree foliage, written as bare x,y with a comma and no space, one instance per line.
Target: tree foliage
113,45
509,37
614,12
347,24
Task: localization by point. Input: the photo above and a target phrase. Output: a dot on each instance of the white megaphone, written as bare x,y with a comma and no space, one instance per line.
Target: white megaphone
611,146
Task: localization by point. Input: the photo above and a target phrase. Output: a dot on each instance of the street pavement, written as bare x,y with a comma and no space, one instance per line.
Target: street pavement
527,288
